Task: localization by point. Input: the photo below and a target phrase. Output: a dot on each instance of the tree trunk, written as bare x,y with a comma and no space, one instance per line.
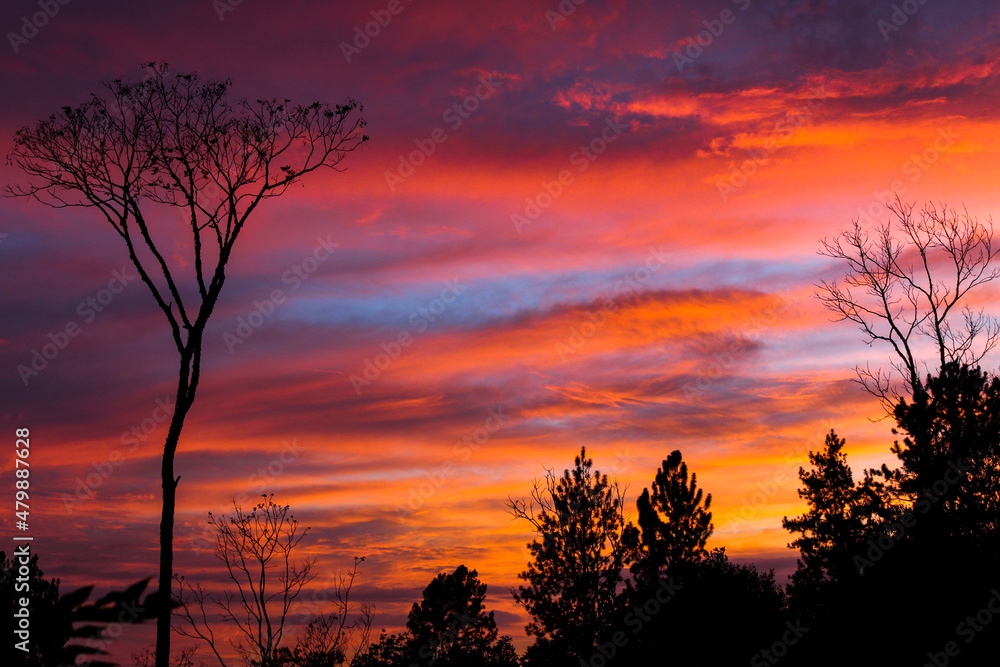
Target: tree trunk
186,385
169,485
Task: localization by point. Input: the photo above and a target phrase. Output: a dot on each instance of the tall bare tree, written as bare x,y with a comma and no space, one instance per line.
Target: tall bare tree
907,285
170,141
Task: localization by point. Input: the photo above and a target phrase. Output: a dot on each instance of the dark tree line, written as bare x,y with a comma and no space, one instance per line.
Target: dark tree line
601,590
896,567
901,560
899,566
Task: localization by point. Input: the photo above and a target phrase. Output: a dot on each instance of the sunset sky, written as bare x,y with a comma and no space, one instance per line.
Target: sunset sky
614,246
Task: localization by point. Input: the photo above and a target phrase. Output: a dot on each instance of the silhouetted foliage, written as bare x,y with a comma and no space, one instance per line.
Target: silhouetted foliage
49,630
387,651
65,628
946,554
95,625
449,627
711,612
572,581
675,521
952,433
176,144
924,539
842,515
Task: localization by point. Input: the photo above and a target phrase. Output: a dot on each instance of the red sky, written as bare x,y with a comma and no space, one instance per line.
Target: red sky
660,297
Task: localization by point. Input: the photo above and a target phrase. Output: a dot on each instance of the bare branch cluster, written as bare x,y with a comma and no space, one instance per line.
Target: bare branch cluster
256,549
336,637
908,281
171,140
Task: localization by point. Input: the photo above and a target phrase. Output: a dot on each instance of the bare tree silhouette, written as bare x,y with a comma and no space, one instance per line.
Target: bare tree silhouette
336,637
905,281
256,548
166,142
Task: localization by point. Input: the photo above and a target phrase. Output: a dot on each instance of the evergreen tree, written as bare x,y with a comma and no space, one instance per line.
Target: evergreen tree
450,626
571,588
875,551
950,455
675,521
944,552
842,516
